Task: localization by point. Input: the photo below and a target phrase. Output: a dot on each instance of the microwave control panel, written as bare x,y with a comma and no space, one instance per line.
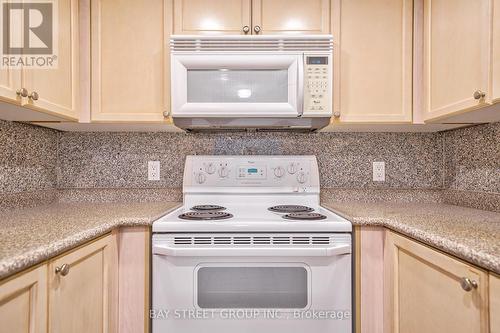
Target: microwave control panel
317,78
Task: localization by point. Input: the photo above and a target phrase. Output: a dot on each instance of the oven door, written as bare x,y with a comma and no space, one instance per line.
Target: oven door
272,288
237,85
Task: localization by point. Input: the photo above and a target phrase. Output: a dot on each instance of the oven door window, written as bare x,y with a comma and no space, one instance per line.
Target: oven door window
237,86
254,287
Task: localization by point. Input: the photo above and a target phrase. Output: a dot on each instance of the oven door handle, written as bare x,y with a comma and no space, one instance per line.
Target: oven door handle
163,250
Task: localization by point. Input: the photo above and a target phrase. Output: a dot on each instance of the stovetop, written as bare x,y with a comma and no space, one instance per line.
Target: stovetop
251,194
252,218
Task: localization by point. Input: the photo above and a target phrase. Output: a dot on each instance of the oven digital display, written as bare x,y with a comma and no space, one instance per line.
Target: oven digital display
317,60
252,172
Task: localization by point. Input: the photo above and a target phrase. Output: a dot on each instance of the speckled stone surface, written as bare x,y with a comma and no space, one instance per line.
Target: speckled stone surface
31,235
478,200
11,201
119,160
28,158
470,234
472,158
121,195
377,195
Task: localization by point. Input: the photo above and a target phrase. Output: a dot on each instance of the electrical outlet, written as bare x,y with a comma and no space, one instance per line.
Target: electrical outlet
379,171
153,170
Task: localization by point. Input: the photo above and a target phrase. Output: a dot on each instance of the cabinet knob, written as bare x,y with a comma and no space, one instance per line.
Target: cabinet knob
336,114
63,270
23,92
257,29
246,29
468,284
34,96
478,94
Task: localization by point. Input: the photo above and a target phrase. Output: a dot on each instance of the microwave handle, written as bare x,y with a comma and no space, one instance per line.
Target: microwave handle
300,86
162,250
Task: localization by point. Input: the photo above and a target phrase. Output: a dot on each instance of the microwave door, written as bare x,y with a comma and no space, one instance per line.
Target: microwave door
236,85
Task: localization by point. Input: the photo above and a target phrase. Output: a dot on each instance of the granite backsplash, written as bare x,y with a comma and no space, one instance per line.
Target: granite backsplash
28,159
460,166
119,160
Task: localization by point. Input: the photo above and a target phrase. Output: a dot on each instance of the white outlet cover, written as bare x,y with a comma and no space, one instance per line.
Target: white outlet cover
153,170
379,171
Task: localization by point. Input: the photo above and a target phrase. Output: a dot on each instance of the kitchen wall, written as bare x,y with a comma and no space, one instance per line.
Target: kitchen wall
472,166
119,160
35,161
28,159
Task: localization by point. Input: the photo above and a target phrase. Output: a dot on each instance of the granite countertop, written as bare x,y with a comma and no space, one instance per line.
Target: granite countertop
31,235
470,234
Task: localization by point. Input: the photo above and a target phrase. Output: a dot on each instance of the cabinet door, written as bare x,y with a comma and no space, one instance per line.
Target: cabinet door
57,88
426,292
496,51
494,303
212,16
130,60
23,301
291,16
82,298
10,82
457,46
373,60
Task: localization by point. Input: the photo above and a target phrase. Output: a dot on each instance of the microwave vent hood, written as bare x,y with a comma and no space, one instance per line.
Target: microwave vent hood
256,83
232,43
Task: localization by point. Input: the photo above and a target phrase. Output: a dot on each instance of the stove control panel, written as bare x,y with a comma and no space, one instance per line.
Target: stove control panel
251,171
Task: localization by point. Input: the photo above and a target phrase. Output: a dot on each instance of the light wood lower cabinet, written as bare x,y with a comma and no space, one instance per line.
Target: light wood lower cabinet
373,60
425,292
83,299
369,287
133,270
494,303
23,302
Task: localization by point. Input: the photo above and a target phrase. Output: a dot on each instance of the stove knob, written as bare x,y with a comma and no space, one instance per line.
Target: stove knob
200,178
210,168
279,172
292,168
223,172
301,177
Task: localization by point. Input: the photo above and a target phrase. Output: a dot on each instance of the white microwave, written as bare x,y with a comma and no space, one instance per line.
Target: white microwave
251,81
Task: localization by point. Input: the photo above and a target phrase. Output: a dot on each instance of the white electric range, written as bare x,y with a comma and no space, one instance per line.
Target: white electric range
251,249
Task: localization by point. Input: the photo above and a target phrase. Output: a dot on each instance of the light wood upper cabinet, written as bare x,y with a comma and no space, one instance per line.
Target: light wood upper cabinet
83,298
496,52
373,60
291,16
10,82
58,88
23,301
51,91
130,60
251,16
427,290
211,16
457,56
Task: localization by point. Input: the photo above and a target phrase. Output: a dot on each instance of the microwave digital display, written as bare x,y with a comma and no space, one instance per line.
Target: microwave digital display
317,60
